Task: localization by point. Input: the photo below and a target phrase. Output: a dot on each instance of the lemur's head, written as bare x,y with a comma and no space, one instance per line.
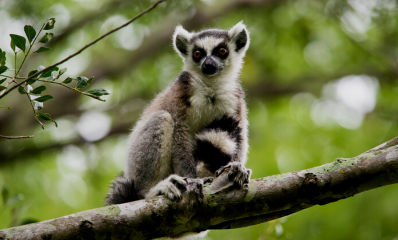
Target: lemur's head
212,52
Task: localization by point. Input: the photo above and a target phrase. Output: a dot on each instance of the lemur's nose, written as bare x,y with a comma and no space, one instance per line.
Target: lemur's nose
209,66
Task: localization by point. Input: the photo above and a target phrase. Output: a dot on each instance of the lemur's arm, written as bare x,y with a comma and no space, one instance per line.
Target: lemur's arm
183,161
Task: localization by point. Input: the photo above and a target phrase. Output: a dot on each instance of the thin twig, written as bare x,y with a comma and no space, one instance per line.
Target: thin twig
16,137
74,89
82,49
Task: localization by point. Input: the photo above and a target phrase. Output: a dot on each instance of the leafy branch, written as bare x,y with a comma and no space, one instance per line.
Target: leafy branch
46,74
82,49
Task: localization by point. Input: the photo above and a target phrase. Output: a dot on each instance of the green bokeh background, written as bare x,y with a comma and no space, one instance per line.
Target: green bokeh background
301,52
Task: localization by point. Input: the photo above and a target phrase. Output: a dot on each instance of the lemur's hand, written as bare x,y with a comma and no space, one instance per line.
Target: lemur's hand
238,173
176,188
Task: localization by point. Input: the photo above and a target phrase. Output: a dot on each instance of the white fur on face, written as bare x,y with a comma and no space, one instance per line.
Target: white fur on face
207,43
219,139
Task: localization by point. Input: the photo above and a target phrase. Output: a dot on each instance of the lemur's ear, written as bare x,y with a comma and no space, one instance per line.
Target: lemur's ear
240,36
181,38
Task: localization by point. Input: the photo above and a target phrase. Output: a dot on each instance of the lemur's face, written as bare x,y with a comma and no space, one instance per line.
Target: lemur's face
211,51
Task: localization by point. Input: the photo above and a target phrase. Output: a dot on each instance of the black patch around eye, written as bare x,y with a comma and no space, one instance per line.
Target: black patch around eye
217,49
202,53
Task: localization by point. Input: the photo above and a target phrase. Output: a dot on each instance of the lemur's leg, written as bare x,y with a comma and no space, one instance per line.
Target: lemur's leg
184,168
148,161
149,151
152,146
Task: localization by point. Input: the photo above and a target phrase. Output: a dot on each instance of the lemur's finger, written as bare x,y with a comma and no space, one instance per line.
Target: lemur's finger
207,180
179,182
222,169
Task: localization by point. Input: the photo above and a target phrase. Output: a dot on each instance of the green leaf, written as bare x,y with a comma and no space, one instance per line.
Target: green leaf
38,90
2,88
2,58
48,72
67,80
47,37
46,116
99,92
33,80
81,83
19,41
30,32
43,98
50,24
12,44
5,194
2,80
42,49
3,69
90,80
21,90
32,72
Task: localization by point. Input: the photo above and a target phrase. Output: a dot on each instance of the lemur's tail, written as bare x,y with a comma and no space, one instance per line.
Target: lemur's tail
122,190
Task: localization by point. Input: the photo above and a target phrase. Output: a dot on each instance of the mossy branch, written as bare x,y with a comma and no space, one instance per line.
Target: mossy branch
224,206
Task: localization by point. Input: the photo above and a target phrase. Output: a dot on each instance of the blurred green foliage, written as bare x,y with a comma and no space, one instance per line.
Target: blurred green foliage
320,78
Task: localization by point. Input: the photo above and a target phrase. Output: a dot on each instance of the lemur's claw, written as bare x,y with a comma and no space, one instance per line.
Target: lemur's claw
237,173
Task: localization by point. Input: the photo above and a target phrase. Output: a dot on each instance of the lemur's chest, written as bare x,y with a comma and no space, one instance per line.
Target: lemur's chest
208,104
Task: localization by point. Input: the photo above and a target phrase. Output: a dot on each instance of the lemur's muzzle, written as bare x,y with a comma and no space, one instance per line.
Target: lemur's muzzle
210,66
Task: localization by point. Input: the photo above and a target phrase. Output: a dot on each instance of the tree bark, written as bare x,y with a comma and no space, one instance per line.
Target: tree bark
224,206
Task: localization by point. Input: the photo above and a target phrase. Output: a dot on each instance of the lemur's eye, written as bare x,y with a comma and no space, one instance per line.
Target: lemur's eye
222,51
197,54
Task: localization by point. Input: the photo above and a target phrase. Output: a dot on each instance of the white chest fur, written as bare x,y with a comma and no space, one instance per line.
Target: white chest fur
210,102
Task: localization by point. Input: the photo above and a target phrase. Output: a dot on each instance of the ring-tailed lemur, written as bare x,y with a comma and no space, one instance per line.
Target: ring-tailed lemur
195,128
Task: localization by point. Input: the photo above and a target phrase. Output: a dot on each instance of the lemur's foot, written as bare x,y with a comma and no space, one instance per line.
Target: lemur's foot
238,173
171,187
176,187
195,189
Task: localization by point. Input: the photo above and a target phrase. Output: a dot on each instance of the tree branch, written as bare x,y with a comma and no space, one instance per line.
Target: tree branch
225,207
16,137
82,49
